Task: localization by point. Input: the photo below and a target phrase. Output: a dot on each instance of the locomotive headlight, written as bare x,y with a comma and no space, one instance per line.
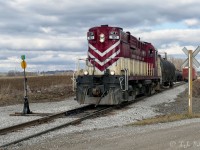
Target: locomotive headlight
112,72
102,37
86,72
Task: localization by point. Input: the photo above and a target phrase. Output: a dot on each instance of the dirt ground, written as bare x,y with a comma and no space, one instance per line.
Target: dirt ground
40,89
180,105
59,87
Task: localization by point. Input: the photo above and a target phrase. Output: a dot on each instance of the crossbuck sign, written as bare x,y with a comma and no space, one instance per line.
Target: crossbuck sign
190,61
195,62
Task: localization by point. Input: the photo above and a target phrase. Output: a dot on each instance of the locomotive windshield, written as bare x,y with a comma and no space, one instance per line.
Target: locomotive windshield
90,35
113,35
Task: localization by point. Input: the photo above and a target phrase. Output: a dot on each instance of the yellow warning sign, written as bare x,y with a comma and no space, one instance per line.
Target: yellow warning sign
23,64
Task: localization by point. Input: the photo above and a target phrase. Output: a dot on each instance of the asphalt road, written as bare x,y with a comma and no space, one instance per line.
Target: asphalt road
176,135
182,137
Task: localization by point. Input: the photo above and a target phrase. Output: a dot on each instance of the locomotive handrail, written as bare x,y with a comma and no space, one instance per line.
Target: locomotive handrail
77,68
125,80
125,76
120,82
74,82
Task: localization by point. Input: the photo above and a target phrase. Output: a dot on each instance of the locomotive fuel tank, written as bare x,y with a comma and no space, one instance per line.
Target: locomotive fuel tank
168,72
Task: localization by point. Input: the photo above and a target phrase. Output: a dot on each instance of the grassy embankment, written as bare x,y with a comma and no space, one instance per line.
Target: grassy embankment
165,119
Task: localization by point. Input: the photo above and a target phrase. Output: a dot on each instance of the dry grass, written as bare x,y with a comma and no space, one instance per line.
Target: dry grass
34,82
196,88
165,118
40,89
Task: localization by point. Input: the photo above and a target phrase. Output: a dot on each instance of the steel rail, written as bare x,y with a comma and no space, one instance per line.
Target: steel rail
76,121
44,119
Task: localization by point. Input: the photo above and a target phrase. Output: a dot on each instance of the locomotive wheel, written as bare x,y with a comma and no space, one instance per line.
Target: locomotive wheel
148,91
171,84
153,90
158,87
133,95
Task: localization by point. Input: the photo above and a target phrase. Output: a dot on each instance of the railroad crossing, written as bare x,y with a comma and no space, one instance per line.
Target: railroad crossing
195,62
190,61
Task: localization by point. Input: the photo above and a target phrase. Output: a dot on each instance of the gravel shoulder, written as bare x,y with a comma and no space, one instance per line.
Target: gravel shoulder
180,104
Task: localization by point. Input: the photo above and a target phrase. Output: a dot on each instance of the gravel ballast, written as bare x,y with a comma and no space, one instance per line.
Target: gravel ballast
137,111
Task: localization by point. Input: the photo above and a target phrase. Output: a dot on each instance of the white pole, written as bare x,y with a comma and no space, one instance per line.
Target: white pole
190,83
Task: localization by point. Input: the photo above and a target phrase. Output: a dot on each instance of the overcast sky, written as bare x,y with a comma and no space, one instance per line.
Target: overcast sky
52,33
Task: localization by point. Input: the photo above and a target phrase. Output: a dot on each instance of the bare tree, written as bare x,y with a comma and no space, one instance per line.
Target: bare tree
176,61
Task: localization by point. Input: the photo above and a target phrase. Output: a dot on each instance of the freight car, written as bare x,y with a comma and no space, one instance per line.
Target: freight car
119,67
185,74
178,76
168,72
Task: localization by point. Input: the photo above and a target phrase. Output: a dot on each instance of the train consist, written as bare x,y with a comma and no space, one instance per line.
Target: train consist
119,67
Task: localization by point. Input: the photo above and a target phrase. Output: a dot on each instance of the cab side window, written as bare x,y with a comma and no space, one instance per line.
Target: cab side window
151,52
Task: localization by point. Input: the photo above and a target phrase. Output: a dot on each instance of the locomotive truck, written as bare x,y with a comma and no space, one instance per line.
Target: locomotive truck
119,67
178,75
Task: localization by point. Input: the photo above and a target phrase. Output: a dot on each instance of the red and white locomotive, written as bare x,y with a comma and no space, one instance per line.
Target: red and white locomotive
119,67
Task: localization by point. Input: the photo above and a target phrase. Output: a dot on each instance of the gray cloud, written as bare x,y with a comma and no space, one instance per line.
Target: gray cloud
48,28
70,16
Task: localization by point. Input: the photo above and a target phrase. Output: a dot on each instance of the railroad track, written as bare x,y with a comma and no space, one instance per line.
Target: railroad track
83,113
176,85
44,119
